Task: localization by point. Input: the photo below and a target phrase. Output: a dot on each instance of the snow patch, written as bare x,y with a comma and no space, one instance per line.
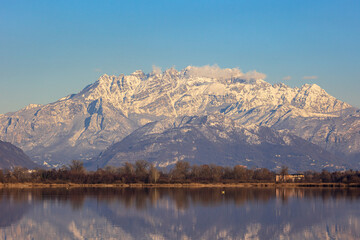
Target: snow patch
31,106
168,163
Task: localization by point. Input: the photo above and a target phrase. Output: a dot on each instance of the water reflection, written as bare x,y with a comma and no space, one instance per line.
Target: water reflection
165,213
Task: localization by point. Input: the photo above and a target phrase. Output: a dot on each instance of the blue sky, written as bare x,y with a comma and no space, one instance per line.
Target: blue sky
49,49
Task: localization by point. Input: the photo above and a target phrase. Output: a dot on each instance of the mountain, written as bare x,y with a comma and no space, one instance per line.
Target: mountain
82,125
216,139
12,156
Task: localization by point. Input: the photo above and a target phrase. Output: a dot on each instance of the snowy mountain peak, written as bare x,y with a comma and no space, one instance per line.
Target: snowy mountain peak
30,106
312,87
81,125
138,73
197,89
280,85
171,72
104,77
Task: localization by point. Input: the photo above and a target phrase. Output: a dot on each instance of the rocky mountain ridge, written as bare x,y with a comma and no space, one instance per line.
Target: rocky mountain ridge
82,125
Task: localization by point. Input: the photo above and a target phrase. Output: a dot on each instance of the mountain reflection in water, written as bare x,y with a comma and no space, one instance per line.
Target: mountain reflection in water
165,213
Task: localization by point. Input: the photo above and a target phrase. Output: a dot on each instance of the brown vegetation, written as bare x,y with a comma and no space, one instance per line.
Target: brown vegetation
143,172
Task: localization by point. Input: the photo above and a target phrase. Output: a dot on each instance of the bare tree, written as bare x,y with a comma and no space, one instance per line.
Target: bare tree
77,166
154,174
2,179
128,168
21,174
181,170
283,172
241,173
141,170
217,172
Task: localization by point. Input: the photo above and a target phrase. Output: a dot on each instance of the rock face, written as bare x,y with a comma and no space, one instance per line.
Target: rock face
82,125
215,139
12,156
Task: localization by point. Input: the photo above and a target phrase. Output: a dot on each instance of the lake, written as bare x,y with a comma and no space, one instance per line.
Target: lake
182,213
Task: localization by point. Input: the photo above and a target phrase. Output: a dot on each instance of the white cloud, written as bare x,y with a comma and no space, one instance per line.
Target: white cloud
286,78
254,75
156,70
215,71
310,77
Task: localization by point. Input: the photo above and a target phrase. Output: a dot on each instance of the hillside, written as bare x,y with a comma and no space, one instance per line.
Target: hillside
11,156
215,139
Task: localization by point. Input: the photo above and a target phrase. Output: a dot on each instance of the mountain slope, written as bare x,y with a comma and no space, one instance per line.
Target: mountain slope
64,130
219,140
82,125
11,156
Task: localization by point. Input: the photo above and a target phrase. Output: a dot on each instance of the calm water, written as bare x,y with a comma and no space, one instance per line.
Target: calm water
180,214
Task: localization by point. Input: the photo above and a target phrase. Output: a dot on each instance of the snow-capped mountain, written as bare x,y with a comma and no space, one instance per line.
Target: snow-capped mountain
82,125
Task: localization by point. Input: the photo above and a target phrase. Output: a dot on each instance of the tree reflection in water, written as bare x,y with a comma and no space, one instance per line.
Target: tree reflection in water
177,212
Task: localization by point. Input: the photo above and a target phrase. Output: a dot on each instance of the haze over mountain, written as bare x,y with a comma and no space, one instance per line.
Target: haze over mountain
82,125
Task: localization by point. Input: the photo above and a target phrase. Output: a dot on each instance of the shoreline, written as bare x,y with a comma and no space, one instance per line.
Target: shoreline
179,185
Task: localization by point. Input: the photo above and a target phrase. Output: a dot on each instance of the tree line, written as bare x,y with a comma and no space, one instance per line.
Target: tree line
144,172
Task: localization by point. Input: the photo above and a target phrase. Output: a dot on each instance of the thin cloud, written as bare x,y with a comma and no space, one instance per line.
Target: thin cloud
98,70
156,70
310,77
286,78
223,73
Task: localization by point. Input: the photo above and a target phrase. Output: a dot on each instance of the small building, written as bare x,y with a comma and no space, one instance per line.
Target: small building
289,177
